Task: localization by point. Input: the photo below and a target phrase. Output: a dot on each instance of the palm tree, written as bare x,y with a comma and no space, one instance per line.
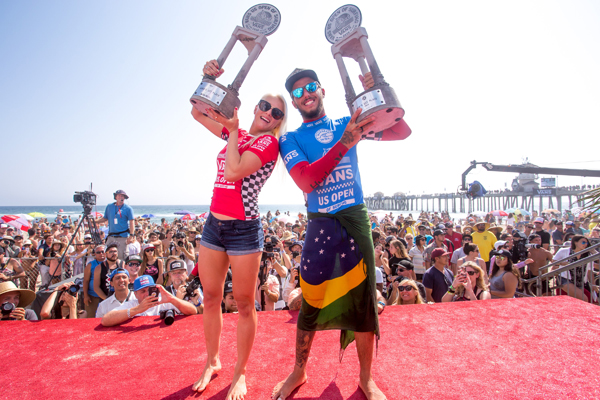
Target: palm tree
591,200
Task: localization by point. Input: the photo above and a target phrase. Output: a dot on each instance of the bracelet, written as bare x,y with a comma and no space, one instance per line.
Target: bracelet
451,290
128,313
382,303
199,302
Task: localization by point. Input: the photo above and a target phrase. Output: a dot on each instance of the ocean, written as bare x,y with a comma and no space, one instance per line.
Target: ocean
167,212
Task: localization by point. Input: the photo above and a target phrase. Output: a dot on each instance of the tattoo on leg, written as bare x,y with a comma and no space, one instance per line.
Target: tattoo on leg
303,343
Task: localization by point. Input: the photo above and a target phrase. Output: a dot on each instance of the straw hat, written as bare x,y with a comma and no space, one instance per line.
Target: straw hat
27,296
496,230
287,235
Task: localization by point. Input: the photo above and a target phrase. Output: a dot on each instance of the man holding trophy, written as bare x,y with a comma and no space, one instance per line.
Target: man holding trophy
337,271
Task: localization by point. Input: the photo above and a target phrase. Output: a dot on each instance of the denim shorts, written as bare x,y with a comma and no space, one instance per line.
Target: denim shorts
235,237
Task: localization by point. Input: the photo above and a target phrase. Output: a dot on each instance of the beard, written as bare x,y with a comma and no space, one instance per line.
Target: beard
313,114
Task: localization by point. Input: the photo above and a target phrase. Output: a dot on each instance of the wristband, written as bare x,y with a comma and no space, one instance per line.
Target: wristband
128,313
382,303
451,290
199,302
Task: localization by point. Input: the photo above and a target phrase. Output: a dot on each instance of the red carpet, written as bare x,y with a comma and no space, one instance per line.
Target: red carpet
499,349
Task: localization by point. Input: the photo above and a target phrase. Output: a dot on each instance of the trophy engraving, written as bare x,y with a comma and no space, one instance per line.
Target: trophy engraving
349,40
258,22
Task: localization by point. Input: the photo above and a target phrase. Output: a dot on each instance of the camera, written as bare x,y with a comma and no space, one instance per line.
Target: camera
192,286
75,287
268,251
86,198
180,243
7,308
168,316
533,246
295,254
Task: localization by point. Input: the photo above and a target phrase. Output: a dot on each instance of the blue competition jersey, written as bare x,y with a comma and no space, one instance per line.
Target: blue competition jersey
342,188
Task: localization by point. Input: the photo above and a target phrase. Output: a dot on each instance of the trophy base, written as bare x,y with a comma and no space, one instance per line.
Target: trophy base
211,94
381,103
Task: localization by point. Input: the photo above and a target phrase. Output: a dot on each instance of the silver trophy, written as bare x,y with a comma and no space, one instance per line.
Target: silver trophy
259,22
349,39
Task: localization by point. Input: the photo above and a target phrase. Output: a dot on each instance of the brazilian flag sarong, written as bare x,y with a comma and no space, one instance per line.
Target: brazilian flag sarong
337,274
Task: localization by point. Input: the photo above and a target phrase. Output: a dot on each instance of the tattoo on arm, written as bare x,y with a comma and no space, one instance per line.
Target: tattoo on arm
347,138
295,303
304,341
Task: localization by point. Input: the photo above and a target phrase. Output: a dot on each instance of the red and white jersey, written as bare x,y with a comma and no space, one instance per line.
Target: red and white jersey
239,199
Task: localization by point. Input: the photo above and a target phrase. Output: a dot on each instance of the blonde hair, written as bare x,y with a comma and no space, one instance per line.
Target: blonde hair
281,128
480,283
409,282
401,249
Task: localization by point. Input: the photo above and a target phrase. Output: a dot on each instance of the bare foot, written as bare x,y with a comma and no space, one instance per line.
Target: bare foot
284,388
371,390
237,391
209,370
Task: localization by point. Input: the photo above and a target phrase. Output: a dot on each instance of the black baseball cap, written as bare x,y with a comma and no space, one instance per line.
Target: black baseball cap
228,287
297,74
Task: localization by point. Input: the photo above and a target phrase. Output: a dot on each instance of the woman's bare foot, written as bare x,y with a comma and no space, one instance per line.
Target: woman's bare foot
204,380
237,391
371,390
284,388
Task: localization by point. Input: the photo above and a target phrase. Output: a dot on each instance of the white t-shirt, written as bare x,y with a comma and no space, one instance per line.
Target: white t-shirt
418,259
378,275
565,252
110,304
151,312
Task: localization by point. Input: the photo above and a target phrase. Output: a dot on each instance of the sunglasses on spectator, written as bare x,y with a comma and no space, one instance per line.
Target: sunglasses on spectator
310,88
471,273
148,250
407,288
99,252
133,264
265,106
583,242
500,258
467,240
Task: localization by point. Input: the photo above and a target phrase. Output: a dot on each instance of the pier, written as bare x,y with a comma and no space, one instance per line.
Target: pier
539,199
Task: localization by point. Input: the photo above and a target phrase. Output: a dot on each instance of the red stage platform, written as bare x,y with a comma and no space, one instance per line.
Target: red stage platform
499,349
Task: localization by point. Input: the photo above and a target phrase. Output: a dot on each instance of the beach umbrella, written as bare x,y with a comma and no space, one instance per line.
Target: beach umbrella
36,214
17,222
182,212
148,216
26,216
499,213
61,210
188,217
203,215
551,210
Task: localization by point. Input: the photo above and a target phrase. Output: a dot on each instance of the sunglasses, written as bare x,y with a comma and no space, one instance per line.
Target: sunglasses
99,252
310,88
148,250
500,258
133,264
471,273
264,105
583,242
407,288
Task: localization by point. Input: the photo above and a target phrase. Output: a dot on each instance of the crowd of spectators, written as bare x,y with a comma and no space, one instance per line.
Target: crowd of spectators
429,259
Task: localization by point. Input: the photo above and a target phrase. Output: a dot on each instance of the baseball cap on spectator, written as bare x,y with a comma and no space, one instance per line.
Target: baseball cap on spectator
388,239
178,264
558,222
441,227
450,225
539,220
228,287
438,232
406,264
570,223
499,243
143,282
17,237
134,257
4,226
439,253
87,236
117,271
505,253
147,246
198,237
112,245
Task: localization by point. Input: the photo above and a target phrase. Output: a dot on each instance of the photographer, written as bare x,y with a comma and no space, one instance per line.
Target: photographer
119,280
183,249
53,256
177,284
150,299
62,303
13,302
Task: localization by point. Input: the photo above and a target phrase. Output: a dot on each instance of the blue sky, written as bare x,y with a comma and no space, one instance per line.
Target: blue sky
99,92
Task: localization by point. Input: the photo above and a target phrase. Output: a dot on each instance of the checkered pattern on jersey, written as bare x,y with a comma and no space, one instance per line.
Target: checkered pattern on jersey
251,187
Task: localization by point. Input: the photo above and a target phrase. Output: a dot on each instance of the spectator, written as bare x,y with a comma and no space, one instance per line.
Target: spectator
10,268
267,290
454,237
418,255
544,235
61,304
229,305
102,274
120,222
183,250
405,272
91,300
438,242
438,278
28,257
147,303
151,264
405,291
133,246
505,277
397,253
573,281
468,285
485,240
459,252
558,235
177,283
132,265
472,255
119,280
8,244
53,257
19,298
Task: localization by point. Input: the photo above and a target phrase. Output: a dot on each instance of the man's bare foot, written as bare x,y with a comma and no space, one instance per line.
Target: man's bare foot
237,391
284,388
209,370
371,390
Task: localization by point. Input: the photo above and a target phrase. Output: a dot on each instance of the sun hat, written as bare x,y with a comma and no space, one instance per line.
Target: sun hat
120,192
287,236
143,282
27,296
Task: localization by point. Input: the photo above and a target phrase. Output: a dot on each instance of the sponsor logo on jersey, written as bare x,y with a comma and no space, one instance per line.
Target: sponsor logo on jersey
324,136
289,156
